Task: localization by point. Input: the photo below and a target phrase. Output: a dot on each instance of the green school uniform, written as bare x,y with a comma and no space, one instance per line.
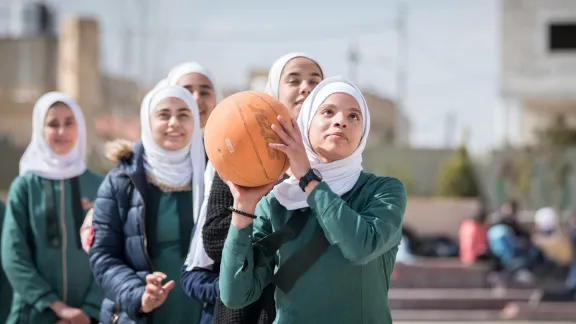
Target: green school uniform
167,253
5,289
40,252
349,283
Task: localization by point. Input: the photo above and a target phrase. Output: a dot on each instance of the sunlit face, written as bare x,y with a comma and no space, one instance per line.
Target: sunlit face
60,129
203,91
336,129
172,124
299,77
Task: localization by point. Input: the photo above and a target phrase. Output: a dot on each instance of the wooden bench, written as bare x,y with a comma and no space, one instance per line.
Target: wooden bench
440,273
464,316
546,311
450,273
455,299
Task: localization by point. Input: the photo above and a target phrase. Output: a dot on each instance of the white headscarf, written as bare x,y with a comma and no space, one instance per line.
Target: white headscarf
192,67
546,219
341,175
197,257
174,168
277,68
39,157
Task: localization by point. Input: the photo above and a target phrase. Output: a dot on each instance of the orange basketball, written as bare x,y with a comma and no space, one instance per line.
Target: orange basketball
236,138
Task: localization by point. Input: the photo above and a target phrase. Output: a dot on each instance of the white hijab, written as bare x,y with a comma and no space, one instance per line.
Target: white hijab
546,219
197,257
175,168
192,67
277,68
341,175
39,158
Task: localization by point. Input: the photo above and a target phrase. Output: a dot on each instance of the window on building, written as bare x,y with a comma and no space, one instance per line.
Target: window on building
562,36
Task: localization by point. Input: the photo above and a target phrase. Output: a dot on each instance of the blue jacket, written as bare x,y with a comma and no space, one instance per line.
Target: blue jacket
571,280
118,256
201,284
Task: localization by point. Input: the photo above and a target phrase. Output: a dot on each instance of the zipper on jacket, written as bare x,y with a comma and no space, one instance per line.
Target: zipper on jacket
143,225
115,316
64,242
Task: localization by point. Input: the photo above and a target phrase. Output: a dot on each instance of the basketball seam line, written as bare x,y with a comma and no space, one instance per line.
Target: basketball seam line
269,105
231,167
252,141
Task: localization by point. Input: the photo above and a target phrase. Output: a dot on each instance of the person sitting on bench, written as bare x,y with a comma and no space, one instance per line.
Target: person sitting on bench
511,245
568,292
473,238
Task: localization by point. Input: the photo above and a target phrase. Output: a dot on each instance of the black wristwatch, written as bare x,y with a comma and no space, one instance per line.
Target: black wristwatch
311,175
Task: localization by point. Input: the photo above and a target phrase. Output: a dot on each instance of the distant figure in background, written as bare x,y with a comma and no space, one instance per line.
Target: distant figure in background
548,236
5,288
47,202
473,237
568,293
509,217
511,245
429,246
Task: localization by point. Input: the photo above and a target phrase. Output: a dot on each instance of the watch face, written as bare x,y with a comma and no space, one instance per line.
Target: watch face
317,173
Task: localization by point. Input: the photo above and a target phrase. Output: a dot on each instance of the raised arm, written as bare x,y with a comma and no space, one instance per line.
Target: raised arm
243,275
361,235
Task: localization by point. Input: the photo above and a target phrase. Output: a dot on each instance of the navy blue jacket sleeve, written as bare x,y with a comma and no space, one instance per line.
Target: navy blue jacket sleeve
200,284
120,283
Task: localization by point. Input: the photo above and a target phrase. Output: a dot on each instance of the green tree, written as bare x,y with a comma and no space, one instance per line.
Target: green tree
458,176
517,174
552,144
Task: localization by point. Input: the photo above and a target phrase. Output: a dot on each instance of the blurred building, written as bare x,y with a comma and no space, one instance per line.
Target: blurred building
35,60
538,62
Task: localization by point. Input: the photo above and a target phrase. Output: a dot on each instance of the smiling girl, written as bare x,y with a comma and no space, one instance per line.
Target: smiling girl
145,211
41,252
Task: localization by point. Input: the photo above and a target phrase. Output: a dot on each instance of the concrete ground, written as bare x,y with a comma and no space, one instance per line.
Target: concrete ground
495,322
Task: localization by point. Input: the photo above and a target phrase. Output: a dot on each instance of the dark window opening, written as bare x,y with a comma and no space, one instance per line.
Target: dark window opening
562,36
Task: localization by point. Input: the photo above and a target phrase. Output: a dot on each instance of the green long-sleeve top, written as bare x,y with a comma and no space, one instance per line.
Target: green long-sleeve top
167,255
349,283
5,289
40,252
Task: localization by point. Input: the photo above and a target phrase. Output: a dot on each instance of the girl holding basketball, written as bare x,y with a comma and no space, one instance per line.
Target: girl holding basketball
291,79
41,253
337,269
143,214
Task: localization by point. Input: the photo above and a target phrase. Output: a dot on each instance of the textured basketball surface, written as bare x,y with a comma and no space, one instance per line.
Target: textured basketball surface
236,138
